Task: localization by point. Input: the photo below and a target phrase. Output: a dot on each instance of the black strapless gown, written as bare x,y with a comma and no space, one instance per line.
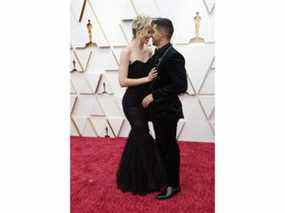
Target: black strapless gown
140,170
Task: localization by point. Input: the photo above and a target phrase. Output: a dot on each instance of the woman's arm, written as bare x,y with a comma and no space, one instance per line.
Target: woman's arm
123,72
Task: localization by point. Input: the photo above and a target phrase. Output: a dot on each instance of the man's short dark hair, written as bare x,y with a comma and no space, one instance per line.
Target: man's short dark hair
165,25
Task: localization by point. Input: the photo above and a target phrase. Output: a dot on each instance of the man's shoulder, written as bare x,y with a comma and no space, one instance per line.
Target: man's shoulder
175,54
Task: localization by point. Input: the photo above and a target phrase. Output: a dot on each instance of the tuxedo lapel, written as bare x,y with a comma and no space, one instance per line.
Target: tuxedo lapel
164,57
159,60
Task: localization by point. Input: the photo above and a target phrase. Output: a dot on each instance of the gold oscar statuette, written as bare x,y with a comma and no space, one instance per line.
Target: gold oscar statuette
197,38
89,29
74,67
90,44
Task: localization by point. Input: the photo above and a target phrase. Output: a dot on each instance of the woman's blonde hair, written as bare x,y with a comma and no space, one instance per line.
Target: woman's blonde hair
139,23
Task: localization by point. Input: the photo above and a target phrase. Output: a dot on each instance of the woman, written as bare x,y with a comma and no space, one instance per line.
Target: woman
140,169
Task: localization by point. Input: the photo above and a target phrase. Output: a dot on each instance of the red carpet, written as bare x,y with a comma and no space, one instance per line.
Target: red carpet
93,180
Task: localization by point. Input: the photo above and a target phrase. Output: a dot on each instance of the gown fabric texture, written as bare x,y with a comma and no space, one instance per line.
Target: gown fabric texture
140,169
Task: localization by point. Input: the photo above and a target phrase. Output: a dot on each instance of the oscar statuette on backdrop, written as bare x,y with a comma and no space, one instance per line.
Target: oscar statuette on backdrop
90,43
89,29
197,38
74,67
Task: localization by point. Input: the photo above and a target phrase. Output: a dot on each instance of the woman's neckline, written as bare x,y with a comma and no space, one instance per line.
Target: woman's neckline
138,60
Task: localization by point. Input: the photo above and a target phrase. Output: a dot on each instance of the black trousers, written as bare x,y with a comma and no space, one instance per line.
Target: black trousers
165,137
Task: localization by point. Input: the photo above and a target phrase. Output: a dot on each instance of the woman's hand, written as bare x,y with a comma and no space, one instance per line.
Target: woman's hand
152,75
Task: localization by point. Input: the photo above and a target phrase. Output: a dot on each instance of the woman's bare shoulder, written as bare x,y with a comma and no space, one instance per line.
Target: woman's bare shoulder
126,52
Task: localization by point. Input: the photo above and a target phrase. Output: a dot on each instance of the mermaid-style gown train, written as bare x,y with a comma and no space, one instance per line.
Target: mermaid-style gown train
140,169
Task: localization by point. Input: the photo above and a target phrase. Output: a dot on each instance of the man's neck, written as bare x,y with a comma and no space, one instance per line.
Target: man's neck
162,44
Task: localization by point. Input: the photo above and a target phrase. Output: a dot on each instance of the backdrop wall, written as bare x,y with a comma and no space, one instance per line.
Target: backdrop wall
95,93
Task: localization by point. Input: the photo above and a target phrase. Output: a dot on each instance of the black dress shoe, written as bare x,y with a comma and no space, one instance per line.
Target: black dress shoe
168,193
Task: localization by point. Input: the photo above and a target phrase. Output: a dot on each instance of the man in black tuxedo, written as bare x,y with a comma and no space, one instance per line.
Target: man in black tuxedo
163,104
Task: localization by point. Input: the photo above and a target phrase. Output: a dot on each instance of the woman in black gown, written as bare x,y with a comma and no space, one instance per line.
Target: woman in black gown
140,169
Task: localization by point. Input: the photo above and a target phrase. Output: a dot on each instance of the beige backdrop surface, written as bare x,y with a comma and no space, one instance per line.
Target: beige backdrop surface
96,95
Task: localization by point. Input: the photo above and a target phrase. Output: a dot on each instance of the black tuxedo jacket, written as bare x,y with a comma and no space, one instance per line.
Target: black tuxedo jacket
170,82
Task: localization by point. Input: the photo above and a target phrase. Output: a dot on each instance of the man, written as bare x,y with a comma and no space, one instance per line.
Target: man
163,104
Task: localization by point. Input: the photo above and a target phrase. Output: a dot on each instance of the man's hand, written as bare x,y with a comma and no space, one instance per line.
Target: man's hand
147,100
